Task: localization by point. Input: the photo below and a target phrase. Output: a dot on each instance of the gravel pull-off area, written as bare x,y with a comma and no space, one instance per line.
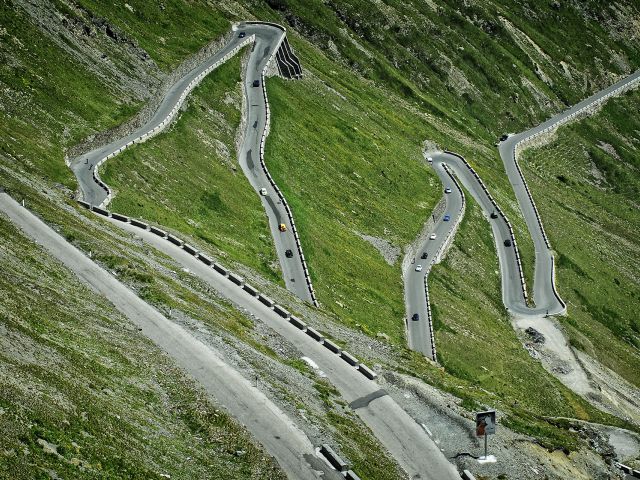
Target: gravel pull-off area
518,456
577,370
389,252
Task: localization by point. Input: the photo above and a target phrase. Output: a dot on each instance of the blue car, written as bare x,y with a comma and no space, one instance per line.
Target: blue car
446,218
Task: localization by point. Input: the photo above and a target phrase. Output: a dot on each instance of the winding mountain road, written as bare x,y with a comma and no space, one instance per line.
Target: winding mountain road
266,39
514,293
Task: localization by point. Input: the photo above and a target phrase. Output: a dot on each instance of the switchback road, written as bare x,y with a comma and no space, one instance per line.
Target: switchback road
514,293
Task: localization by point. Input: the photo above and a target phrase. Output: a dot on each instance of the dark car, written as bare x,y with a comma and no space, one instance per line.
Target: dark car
242,35
256,83
507,243
415,317
447,218
424,255
288,253
503,137
494,215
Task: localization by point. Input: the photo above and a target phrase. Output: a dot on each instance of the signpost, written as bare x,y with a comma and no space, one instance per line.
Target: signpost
485,426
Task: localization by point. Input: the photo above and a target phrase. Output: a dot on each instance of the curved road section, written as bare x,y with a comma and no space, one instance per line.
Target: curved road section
514,292
267,39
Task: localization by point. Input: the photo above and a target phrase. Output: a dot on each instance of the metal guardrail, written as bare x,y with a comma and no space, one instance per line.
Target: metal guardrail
167,120
504,217
287,209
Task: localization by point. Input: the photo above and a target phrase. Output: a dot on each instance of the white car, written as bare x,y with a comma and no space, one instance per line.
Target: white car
447,190
418,268
432,237
263,192
430,159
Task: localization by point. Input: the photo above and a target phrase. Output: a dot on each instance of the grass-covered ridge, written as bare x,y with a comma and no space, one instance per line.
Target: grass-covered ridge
586,180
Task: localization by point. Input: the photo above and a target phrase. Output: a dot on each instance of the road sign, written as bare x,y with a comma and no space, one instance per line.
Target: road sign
485,423
485,426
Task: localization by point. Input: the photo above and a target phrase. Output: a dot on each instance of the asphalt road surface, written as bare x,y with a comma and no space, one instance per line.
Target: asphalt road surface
547,301
267,41
279,435
399,433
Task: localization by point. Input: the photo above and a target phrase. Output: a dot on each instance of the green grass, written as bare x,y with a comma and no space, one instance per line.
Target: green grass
583,188
354,164
160,28
188,178
345,166
79,376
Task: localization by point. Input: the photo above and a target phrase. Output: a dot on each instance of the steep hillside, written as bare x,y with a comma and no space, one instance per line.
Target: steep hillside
346,142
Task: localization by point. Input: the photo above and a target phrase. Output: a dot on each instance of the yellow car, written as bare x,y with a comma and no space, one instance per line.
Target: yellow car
282,227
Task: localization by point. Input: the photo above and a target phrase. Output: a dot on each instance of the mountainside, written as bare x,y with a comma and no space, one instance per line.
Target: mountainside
383,82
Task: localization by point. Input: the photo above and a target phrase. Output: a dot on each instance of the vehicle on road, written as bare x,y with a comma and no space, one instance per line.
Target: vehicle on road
494,215
507,243
282,227
446,218
242,35
447,190
288,253
424,255
432,236
263,191
418,268
256,83
430,159
415,317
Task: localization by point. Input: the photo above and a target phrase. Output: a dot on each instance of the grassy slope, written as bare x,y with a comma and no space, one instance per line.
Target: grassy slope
583,188
344,169
76,374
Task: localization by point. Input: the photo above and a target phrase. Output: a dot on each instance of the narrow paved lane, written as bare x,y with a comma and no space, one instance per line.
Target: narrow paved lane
399,433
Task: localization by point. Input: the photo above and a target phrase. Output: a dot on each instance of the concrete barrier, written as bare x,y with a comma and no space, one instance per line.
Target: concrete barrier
84,204
367,372
204,259
190,249
331,346
100,211
250,289
351,475
266,300
157,231
281,311
296,322
313,333
237,279
121,218
333,458
139,224
350,359
175,240
467,475
220,269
